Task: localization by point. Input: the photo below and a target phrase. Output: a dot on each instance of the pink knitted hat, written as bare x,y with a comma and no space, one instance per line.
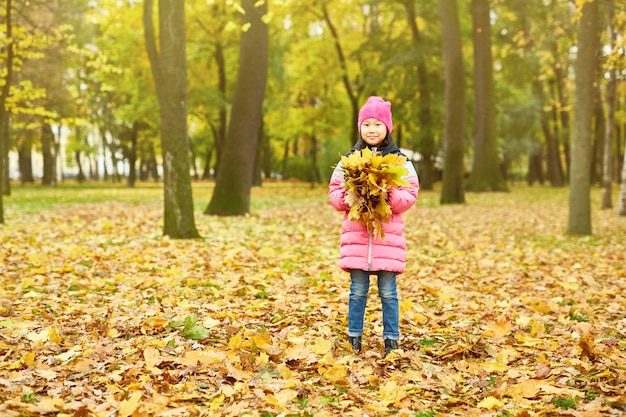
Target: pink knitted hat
376,108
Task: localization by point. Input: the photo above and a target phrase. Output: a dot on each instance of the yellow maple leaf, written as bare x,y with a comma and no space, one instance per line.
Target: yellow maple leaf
298,351
40,337
492,367
47,405
490,403
391,392
28,359
53,335
217,402
153,359
282,398
501,328
284,371
238,374
128,407
368,178
235,342
261,340
322,346
527,389
47,374
337,373
263,359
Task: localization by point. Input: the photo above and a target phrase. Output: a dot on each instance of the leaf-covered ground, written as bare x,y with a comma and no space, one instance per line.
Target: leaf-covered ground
501,313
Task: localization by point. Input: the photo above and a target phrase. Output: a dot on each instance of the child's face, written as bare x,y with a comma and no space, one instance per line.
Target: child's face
373,131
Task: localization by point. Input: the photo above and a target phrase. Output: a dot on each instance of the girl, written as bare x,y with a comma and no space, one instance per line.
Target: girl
361,253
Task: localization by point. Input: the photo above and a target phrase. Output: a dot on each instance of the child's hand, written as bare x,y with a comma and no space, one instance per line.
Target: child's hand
349,198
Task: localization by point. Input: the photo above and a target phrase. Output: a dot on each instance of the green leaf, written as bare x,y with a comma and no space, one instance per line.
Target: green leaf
192,330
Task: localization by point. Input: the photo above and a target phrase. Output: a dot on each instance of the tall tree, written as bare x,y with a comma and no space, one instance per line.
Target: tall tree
211,38
231,196
550,84
169,70
426,140
4,94
621,200
580,177
353,88
607,166
486,174
453,170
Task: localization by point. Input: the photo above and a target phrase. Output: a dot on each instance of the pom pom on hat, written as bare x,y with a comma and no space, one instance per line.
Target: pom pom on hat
376,108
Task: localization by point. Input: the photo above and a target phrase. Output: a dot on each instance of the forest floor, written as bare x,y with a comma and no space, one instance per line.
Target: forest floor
502,314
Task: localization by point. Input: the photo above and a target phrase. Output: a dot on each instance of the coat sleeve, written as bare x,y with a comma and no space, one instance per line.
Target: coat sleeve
336,192
402,198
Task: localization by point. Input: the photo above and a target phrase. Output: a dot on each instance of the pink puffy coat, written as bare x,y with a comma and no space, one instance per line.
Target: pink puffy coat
359,248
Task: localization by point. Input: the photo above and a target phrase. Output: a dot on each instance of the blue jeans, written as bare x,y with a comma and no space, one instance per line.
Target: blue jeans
387,290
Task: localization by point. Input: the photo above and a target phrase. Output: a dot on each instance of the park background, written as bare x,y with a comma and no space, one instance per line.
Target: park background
176,255
506,91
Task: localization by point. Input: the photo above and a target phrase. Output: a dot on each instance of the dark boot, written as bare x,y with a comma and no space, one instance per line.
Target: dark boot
390,345
355,341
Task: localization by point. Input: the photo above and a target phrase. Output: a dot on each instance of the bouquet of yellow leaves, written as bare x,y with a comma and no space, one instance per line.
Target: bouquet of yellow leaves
368,178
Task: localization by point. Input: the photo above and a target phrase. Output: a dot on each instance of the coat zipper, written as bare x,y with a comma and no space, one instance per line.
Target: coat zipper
369,250
370,235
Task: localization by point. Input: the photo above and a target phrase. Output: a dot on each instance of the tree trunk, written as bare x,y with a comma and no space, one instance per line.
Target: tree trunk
562,126
25,153
4,94
231,195
115,174
580,198
266,161
599,132
105,145
285,161
6,182
193,158
47,146
257,176
169,69
553,155
315,173
561,112
426,139
353,96
57,167
220,132
453,170
81,174
535,166
486,174
621,200
206,173
619,151
132,156
611,89
93,168
4,120
25,157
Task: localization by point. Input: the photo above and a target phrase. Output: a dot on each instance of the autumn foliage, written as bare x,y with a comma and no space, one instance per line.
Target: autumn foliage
368,178
502,314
